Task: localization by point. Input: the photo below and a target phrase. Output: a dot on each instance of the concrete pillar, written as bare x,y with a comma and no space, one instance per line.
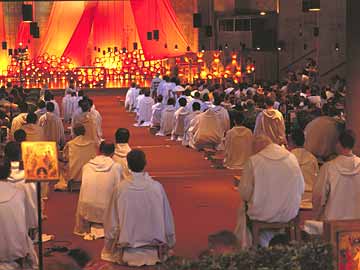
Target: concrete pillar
353,69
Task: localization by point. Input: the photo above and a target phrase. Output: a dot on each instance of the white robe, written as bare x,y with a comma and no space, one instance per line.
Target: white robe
167,121
56,107
156,114
14,240
67,107
34,133
98,120
120,154
187,122
179,126
223,115
53,127
91,124
130,98
99,178
138,214
273,185
144,111
17,123
270,122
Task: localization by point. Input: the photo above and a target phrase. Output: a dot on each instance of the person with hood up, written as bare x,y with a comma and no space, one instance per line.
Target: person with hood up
52,125
238,144
271,188
144,110
336,193
222,115
130,98
180,115
76,154
100,176
122,148
34,133
156,111
196,110
167,119
19,120
270,122
307,161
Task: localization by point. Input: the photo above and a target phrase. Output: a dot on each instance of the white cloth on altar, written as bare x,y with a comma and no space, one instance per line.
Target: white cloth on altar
99,178
53,127
144,110
14,240
138,214
167,121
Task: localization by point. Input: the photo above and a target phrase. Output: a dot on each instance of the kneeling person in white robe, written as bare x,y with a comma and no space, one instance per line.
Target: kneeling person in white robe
179,126
15,244
272,186
196,110
132,238
156,112
167,119
122,148
99,178
336,192
144,111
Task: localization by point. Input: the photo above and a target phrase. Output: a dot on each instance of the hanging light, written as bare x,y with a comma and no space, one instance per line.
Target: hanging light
220,48
337,47
226,46
176,47
202,48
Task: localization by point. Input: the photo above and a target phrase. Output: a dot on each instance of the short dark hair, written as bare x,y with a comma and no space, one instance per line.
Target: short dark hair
20,135
347,139
31,118
223,238
159,98
298,137
79,129
5,170
122,135
41,104
146,93
12,151
23,107
84,105
107,148
196,106
136,160
269,101
239,118
182,102
50,107
171,101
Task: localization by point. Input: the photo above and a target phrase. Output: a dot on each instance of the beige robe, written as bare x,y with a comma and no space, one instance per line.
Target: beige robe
223,116
14,240
272,184
238,147
179,127
270,122
53,127
34,133
17,123
88,120
205,130
309,167
321,136
156,114
167,121
98,120
121,151
144,110
77,153
187,122
99,179
336,193
138,215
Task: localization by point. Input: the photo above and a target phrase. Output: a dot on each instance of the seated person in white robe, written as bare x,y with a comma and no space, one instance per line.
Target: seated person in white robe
88,120
122,148
130,98
41,110
67,106
144,111
19,120
222,114
167,119
50,98
98,118
15,244
130,238
138,98
52,125
17,177
179,126
156,112
100,176
307,161
238,144
196,110
205,130
76,154
270,122
195,99
273,171
34,133
336,192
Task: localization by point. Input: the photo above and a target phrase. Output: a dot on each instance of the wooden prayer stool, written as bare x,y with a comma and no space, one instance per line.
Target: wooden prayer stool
153,130
292,227
209,152
218,161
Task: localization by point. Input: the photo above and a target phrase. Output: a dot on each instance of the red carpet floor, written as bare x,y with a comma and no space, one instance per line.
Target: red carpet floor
202,198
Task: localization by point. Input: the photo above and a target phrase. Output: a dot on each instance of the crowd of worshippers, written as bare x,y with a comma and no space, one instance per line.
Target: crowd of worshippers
118,195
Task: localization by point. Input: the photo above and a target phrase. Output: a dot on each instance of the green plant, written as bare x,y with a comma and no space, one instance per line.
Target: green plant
314,255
